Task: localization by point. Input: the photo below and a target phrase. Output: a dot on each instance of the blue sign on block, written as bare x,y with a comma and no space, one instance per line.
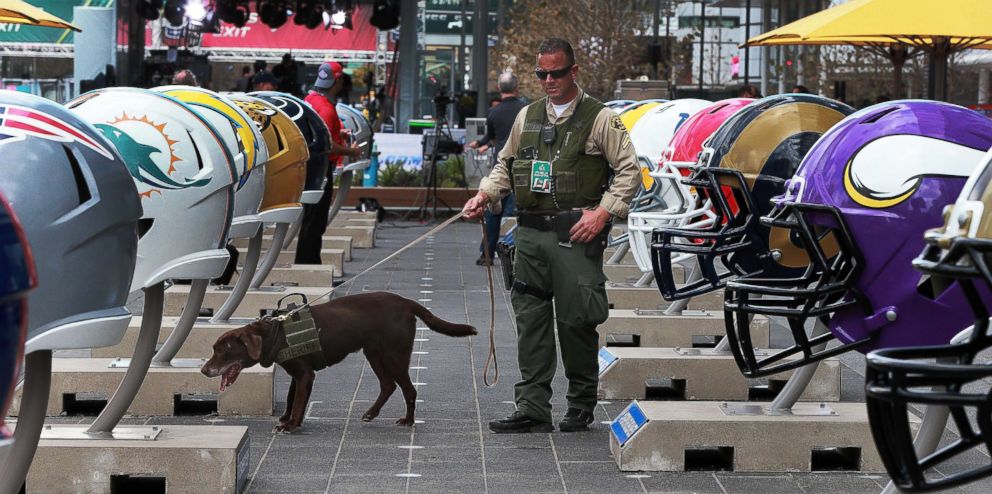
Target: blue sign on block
628,423
605,360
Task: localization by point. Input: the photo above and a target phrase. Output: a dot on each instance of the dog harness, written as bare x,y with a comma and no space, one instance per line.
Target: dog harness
302,337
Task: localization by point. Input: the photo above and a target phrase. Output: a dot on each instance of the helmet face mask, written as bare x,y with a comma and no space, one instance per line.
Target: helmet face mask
859,280
741,167
946,375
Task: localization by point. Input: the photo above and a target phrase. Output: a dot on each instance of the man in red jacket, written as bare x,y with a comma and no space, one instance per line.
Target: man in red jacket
321,98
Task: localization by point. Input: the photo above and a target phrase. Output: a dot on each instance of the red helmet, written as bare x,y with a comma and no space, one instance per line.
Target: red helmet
684,148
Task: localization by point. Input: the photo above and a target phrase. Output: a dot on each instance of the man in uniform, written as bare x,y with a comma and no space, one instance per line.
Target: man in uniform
570,163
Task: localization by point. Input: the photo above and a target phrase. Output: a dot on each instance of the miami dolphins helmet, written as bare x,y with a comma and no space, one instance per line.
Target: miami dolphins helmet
285,172
185,178
742,166
956,375
315,133
858,207
17,276
79,210
245,144
359,127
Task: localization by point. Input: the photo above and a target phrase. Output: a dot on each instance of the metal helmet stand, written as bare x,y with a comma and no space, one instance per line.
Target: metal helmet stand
347,175
34,404
172,344
283,218
240,288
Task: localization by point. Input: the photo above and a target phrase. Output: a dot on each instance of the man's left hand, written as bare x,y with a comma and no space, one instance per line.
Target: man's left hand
591,223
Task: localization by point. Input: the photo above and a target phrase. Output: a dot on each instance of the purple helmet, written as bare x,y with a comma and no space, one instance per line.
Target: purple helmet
859,205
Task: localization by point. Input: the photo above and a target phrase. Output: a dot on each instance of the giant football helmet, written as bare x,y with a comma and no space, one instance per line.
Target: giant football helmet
679,206
245,144
17,276
858,207
959,253
742,166
359,127
79,208
185,177
315,133
285,171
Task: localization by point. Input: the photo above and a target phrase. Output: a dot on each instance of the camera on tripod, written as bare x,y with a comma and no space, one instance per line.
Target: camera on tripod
442,142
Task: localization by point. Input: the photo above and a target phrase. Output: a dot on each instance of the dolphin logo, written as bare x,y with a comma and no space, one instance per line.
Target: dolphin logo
888,170
138,159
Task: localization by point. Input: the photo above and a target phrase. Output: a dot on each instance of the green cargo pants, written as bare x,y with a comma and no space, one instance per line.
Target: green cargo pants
580,304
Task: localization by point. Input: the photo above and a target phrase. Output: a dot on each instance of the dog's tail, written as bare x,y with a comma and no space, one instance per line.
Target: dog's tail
440,325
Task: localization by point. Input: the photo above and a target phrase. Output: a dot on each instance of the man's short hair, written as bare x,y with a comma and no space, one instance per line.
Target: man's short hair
555,45
184,78
507,82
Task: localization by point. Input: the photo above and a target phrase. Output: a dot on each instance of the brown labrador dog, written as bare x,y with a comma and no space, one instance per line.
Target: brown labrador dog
380,324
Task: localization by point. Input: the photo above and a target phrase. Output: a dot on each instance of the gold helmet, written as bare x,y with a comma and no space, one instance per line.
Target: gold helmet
285,172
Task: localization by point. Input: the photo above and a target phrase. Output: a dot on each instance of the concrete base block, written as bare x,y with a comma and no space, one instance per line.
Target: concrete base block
630,273
71,377
657,330
332,257
358,215
627,296
628,258
199,343
338,221
677,431
254,301
328,242
700,374
192,459
301,275
362,237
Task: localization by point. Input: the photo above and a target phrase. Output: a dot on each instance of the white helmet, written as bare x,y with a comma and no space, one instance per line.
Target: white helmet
79,209
184,174
667,201
243,140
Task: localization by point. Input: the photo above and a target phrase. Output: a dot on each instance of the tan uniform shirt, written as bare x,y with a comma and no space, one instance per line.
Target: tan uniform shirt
608,139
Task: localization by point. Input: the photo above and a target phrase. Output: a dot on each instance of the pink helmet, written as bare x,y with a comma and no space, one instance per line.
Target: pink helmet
685,146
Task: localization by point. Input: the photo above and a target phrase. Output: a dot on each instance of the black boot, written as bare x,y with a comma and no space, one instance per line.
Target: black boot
518,422
575,420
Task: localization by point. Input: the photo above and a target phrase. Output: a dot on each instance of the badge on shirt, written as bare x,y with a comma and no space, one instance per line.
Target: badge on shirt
540,177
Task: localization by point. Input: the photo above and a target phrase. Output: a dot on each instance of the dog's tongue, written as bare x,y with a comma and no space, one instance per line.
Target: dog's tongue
223,382
229,376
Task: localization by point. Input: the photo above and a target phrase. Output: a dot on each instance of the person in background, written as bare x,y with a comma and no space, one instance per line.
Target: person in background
288,76
265,81
499,121
185,77
799,88
749,91
322,99
493,103
243,84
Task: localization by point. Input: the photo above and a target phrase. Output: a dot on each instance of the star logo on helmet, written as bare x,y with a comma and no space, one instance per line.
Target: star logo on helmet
149,153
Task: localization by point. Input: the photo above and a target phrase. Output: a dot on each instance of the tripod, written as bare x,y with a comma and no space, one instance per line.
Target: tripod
441,129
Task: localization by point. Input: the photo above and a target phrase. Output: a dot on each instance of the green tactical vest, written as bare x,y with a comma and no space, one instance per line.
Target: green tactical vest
576,179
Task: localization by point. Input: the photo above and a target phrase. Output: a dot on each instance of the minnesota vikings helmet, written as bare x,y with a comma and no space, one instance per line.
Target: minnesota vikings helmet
314,132
859,206
243,141
742,166
958,253
285,171
679,206
79,210
17,276
185,177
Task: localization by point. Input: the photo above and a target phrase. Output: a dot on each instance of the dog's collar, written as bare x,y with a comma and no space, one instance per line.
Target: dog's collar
302,339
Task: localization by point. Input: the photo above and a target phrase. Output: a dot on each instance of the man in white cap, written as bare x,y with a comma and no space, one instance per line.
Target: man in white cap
321,98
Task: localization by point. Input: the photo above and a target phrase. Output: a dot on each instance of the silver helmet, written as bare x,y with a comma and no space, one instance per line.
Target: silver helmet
246,145
361,129
79,208
184,174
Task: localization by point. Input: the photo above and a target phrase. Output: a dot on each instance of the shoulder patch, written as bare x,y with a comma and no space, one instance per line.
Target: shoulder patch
616,123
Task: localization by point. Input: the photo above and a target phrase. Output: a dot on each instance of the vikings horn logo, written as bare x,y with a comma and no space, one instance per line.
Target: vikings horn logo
888,170
17,122
141,158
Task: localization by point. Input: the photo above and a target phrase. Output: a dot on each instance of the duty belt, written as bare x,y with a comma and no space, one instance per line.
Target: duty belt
545,222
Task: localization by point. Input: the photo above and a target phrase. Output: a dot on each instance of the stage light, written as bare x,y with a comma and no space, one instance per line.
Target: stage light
175,11
341,20
149,9
233,12
273,14
196,10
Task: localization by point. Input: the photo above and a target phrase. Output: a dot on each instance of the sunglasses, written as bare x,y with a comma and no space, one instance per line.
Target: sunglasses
555,74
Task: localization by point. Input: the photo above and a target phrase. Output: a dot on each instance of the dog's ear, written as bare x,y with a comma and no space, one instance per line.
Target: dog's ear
253,343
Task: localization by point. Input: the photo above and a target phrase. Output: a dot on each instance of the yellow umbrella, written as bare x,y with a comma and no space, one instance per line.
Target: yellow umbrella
952,26
20,12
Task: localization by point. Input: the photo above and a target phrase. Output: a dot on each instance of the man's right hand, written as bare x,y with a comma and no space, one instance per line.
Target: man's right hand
473,144
475,206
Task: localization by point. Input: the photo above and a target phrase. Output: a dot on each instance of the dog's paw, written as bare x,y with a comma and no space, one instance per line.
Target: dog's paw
285,429
368,417
404,421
